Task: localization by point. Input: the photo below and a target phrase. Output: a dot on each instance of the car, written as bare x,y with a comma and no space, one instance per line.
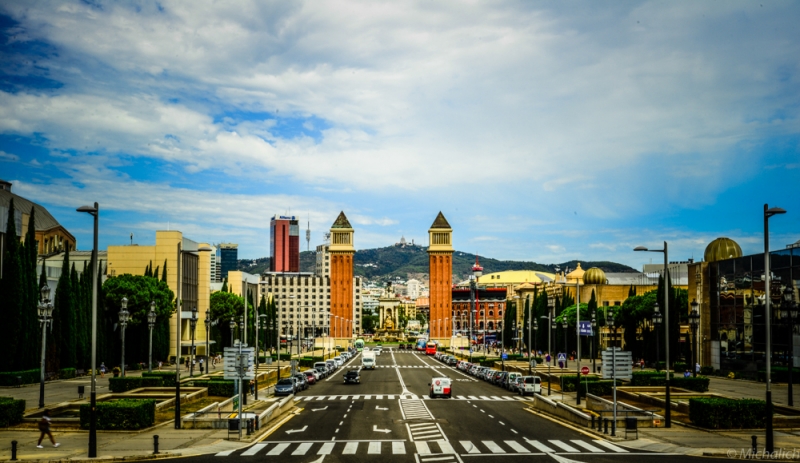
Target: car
511,381
286,386
365,349
338,361
311,376
302,381
331,364
322,371
352,376
440,387
530,385
378,350
401,346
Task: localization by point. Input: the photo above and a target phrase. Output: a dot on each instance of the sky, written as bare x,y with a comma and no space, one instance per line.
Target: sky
544,131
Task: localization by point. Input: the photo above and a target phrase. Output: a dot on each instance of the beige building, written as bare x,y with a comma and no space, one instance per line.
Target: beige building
195,278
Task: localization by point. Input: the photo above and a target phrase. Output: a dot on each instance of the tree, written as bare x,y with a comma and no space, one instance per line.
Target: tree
12,290
225,307
164,272
29,358
224,286
64,318
508,320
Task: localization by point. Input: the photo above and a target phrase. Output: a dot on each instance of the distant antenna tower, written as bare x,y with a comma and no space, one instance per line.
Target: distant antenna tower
327,237
308,235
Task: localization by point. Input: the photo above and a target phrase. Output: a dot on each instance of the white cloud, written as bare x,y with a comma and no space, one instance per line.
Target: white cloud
8,156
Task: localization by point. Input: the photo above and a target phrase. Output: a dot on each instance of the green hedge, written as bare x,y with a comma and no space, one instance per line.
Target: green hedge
66,373
121,384
717,413
680,366
780,375
222,388
707,370
28,377
167,377
642,378
124,414
600,388
284,356
11,411
568,382
698,384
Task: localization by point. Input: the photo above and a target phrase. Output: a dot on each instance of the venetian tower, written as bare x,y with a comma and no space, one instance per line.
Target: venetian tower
440,268
341,254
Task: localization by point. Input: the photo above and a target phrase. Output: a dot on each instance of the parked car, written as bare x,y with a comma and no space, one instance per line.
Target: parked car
530,385
311,376
352,376
302,381
286,386
511,381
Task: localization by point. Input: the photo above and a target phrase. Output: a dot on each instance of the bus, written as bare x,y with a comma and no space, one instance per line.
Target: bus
430,348
359,344
421,344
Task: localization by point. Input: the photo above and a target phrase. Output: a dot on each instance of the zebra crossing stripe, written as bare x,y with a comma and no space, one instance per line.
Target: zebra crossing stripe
611,446
390,397
355,397
398,448
519,448
278,449
483,397
472,397
494,448
374,448
225,453
425,433
366,397
566,447
460,397
302,448
494,397
587,446
417,426
449,457
469,447
326,448
350,448
539,446
379,397
445,447
505,397
254,450
422,448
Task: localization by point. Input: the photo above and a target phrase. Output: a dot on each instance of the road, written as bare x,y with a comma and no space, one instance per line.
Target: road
390,418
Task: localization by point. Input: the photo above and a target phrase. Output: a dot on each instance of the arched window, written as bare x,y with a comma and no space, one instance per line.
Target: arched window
481,313
491,313
499,313
491,326
480,325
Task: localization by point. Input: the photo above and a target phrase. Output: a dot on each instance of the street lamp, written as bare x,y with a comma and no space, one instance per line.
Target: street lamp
565,325
657,319
789,313
45,309
207,323
151,322
612,324
124,316
192,326
535,329
94,211
768,212
694,323
594,339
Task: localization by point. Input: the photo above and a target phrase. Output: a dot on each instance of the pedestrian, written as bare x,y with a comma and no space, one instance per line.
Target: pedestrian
641,364
686,374
252,387
44,428
159,364
102,369
201,365
697,368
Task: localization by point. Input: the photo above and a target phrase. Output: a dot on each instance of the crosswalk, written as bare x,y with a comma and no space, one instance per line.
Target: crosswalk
437,367
428,448
419,421
494,398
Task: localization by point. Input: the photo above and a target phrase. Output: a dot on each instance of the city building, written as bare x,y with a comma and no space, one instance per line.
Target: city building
195,278
342,290
489,306
284,244
413,289
323,262
228,259
214,256
440,262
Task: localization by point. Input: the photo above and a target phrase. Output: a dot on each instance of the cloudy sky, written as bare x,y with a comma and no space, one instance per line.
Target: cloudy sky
544,131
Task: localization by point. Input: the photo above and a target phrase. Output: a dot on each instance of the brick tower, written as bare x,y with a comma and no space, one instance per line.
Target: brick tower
341,254
440,261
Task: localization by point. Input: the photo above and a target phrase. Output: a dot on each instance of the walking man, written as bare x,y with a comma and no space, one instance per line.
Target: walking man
44,428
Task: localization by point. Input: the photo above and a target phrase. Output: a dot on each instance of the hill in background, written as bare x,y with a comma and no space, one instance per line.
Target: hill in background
400,261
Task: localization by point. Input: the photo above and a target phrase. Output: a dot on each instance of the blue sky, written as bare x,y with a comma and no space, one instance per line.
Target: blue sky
545,131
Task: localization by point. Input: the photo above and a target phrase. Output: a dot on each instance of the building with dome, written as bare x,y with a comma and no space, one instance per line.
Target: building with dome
730,289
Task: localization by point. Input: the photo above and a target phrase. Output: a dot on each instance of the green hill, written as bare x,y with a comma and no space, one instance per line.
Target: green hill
400,261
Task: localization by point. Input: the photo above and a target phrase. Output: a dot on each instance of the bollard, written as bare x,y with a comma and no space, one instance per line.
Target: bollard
592,422
755,444
605,425
155,444
613,427
13,450
257,425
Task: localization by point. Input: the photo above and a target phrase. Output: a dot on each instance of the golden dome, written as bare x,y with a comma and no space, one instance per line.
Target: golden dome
721,249
594,276
576,274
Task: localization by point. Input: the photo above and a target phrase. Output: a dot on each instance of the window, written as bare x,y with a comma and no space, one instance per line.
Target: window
499,313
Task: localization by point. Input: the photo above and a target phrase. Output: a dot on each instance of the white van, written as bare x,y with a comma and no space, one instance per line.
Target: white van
530,385
339,361
368,360
331,365
440,387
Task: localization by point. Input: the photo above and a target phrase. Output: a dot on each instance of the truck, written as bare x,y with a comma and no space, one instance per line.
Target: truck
368,360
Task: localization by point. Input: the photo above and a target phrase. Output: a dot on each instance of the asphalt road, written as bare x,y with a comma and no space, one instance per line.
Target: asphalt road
389,417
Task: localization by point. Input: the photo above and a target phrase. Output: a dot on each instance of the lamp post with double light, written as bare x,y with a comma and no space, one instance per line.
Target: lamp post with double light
789,314
694,323
207,323
657,319
151,322
45,309
768,212
94,211
565,325
594,339
192,327
124,316
612,324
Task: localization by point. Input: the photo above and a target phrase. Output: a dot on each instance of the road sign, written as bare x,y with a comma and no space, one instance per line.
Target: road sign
239,365
547,358
562,357
585,370
586,328
505,356
621,366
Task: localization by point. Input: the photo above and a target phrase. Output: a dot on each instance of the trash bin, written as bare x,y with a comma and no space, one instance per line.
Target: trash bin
19,381
81,389
631,425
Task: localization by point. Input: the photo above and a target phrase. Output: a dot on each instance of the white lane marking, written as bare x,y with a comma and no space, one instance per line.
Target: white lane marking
494,397
445,446
226,452
539,446
471,397
278,449
516,446
587,446
436,458
398,448
422,426
483,397
302,448
254,450
350,448
341,422
469,447
563,445
379,397
494,448
345,415
505,397
459,397
514,431
611,446
498,421
313,409
375,429
326,448
376,407
422,448
490,416
366,397
374,448
355,397
337,430
292,431
419,433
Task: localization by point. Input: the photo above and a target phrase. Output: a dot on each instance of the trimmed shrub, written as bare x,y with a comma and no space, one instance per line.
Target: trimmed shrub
66,373
718,413
601,388
707,370
284,356
28,377
121,384
538,360
223,388
568,382
124,414
661,366
679,366
167,377
11,411
642,378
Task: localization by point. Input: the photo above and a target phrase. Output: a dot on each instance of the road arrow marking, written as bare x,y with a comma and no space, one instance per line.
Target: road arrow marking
317,410
297,430
379,408
319,460
375,428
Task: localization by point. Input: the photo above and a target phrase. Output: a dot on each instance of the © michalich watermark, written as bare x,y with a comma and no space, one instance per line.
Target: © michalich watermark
778,454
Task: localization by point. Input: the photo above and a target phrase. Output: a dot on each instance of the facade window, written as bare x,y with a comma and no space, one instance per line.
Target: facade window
499,313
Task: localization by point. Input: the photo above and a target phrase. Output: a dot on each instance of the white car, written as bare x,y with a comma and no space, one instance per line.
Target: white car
365,349
530,385
378,350
339,361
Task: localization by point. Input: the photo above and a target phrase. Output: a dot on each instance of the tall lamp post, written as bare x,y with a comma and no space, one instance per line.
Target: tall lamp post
768,212
192,326
612,324
207,323
45,309
124,316
594,339
665,251
151,322
94,211
789,313
657,319
565,325
694,323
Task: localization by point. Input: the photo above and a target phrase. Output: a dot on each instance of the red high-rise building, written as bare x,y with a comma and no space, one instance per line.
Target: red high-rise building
284,244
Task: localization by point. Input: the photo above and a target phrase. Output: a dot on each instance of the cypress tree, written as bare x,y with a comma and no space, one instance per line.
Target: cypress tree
225,286
62,314
30,320
12,290
525,322
77,306
164,272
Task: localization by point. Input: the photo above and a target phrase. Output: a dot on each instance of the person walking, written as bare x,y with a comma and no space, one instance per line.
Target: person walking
102,369
44,428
